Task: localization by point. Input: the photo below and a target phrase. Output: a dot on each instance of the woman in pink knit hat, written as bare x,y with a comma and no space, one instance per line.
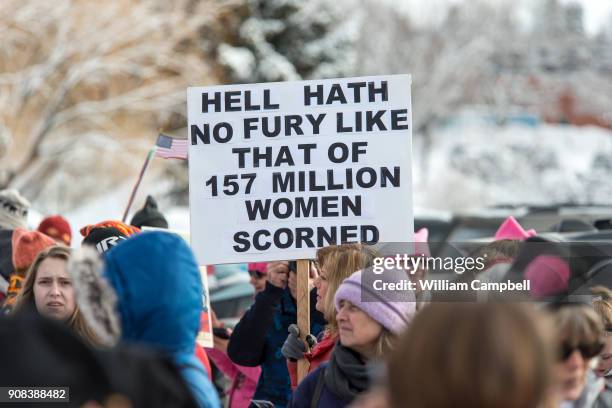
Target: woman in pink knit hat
335,264
370,319
258,272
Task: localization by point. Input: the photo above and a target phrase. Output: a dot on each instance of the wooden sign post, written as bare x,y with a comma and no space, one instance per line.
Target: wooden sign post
303,311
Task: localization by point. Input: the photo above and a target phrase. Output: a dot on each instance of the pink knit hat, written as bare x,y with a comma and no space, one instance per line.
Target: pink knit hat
420,242
548,275
392,314
511,229
261,267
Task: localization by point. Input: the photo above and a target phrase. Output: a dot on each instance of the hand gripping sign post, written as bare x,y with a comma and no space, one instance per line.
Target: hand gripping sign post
277,170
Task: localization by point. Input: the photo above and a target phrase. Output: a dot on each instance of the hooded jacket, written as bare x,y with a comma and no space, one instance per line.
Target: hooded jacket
159,299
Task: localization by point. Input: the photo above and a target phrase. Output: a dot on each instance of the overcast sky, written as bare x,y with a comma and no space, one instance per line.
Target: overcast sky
596,12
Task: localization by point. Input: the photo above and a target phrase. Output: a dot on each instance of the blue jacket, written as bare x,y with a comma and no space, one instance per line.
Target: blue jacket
259,336
159,291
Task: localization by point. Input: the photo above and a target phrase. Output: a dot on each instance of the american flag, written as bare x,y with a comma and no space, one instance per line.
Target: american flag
171,148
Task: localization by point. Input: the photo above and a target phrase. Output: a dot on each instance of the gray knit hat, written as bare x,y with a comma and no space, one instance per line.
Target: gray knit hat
13,209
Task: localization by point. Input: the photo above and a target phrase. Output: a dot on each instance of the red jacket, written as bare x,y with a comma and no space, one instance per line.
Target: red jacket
320,353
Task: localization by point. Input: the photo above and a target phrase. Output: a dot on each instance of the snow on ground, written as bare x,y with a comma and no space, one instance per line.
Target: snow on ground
478,165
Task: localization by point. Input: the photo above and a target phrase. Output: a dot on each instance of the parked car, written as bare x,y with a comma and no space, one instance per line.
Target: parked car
231,302
231,294
588,254
481,225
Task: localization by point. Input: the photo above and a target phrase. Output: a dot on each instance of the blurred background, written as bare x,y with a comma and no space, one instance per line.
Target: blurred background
512,100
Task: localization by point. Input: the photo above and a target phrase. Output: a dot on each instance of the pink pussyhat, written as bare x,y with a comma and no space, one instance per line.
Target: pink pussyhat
548,275
420,242
511,229
261,267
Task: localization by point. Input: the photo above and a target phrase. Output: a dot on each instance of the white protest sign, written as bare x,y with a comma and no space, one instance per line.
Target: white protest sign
277,170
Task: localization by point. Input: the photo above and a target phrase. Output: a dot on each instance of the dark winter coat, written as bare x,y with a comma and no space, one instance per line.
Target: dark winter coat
6,262
6,253
259,336
43,353
334,384
305,393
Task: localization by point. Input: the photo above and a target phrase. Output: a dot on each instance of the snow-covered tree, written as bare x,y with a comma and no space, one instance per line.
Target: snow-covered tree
451,65
85,87
279,40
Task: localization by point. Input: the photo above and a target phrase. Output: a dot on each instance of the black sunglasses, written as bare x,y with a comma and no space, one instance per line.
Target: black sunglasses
257,274
587,351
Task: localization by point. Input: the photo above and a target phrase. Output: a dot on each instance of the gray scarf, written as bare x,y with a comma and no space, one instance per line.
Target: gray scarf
346,375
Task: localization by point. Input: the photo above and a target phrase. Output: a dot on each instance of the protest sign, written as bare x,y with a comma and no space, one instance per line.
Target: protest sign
277,170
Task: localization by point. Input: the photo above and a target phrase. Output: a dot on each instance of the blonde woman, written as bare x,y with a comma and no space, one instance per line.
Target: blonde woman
334,264
49,291
369,321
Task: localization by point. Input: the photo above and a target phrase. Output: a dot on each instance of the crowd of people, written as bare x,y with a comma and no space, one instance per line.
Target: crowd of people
116,319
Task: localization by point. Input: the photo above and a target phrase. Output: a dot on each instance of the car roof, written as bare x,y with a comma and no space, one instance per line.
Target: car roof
235,291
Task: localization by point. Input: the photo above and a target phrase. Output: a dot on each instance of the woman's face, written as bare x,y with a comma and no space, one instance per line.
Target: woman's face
573,372
605,358
357,330
53,290
321,283
258,280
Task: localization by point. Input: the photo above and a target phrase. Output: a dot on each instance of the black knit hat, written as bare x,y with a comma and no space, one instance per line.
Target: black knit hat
149,216
104,238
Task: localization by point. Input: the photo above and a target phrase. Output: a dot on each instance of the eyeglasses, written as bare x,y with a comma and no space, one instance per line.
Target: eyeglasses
587,351
256,274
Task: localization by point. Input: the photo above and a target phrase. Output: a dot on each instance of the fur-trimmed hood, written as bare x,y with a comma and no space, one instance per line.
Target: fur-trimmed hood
96,298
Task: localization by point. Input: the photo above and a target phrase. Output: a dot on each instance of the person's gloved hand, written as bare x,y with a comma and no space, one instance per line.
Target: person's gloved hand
294,347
